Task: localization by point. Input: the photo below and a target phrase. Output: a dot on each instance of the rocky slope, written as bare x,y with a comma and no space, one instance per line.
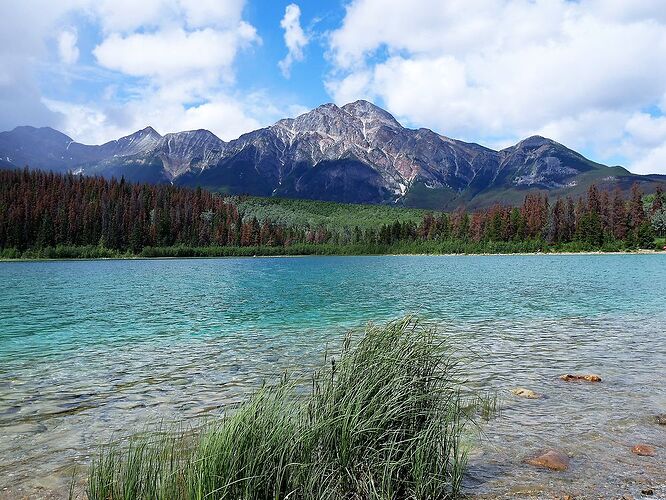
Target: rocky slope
355,153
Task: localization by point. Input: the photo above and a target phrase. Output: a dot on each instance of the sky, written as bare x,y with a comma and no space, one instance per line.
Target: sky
590,74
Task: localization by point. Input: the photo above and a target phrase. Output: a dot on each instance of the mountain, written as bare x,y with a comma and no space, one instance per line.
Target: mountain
356,153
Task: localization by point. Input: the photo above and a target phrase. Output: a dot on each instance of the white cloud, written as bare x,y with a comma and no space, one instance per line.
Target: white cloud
185,70
652,162
498,70
649,131
227,115
129,15
175,52
67,49
174,64
199,13
294,38
166,63
84,123
27,37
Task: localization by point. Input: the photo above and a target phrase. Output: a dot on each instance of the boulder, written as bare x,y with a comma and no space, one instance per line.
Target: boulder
580,378
525,393
644,450
551,459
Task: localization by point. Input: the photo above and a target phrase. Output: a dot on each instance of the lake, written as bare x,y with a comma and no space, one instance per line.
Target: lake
94,350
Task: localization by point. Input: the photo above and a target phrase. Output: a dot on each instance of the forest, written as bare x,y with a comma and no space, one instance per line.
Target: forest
47,215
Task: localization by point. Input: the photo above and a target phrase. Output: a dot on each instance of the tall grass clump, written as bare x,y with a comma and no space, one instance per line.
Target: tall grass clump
385,420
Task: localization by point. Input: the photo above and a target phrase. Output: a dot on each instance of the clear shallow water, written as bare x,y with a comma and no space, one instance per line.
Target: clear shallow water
93,350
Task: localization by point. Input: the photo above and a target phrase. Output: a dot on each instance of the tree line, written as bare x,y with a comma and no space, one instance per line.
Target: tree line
43,210
596,219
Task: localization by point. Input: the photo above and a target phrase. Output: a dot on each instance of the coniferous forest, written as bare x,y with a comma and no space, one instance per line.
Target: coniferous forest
46,215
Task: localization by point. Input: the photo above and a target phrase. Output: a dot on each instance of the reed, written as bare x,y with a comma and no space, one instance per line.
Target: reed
385,420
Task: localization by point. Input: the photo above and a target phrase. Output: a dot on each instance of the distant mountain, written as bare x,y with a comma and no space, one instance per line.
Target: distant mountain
356,153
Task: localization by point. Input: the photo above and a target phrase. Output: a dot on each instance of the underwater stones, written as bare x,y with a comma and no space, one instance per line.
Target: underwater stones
525,393
580,378
644,450
550,459
660,419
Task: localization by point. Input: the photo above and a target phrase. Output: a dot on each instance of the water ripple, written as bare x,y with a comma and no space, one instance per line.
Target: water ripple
95,350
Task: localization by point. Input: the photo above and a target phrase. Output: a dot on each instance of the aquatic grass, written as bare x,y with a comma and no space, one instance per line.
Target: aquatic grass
487,405
383,421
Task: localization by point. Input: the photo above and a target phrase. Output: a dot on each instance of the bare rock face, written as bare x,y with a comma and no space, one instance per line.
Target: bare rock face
550,459
355,153
644,450
580,378
525,393
191,150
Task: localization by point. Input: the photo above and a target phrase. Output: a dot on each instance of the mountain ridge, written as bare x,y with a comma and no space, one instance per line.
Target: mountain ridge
356,153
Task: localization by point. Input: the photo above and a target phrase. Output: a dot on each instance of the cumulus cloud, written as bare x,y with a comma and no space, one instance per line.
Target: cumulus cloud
129,15
226,115
24,39
199,13
182,56
172,53
294,38
166,63
67,49
497,70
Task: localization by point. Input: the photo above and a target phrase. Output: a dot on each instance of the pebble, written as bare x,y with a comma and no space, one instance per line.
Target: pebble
644,450
525,393
551,459
584,378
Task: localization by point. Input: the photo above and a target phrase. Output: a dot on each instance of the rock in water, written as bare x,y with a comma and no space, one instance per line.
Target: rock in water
644,450
661,419
580,378
525,393
551,459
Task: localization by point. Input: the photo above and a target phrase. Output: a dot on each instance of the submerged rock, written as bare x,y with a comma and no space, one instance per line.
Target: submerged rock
551,459
644,450
661,419
525,393
580,378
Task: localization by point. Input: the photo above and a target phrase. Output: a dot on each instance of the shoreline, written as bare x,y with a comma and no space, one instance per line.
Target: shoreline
481,254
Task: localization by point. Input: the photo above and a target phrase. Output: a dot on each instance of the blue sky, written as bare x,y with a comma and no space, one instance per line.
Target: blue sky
589,73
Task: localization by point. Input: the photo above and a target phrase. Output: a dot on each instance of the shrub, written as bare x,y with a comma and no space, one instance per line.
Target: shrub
384,421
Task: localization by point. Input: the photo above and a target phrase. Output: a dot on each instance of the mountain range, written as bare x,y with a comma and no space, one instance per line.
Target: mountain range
356,153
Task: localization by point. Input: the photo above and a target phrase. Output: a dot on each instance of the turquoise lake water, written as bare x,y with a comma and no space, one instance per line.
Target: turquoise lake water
94,350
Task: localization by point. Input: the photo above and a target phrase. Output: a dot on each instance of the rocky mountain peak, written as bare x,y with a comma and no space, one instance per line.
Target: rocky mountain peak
535,141
141,141
192,135
40,133
189,144
370,114
327,119
148,131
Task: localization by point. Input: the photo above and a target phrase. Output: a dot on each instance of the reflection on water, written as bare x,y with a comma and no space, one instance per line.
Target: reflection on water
91,351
